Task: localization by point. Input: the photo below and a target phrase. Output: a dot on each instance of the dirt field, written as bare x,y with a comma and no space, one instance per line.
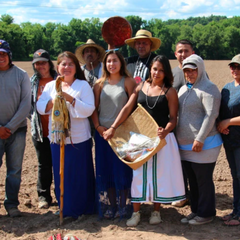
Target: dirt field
40,224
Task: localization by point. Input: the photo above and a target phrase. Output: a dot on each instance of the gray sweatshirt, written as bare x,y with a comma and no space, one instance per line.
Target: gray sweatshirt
198,107
15,98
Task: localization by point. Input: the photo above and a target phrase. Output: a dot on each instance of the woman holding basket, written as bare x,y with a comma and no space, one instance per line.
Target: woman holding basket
160,179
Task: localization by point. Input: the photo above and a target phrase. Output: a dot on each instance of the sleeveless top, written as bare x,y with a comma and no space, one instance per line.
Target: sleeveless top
112,100
160,112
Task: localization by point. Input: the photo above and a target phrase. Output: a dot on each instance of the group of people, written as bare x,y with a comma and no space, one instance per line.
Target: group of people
184,103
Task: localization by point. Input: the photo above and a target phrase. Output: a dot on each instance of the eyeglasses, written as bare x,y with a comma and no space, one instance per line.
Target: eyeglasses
235,67
3,54
41,63
190,70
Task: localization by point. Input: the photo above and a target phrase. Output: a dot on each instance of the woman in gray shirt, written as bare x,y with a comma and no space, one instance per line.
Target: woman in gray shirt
198,139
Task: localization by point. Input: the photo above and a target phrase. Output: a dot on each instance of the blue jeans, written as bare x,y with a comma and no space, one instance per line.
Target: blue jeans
233,157
14,148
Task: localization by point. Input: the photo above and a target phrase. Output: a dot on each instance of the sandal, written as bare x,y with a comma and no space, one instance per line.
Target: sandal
234,221
228,217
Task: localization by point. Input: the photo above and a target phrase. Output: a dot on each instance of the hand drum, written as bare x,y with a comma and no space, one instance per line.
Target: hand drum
116,30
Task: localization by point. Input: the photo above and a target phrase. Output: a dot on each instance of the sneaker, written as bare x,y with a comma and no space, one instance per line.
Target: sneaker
14,212
121,213
134,220
108,214
200,220
43,204
188,218
181,203
57,213
155,218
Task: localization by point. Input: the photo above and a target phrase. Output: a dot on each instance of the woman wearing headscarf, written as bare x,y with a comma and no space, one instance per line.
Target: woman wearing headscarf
43,73
198,139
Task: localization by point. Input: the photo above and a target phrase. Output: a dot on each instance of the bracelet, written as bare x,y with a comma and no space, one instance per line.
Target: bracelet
97,127
113,127
73,101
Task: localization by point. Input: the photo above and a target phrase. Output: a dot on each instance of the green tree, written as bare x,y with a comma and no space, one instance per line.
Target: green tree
49,28
8,19
34,36
63,40
209,40
12,33
231,46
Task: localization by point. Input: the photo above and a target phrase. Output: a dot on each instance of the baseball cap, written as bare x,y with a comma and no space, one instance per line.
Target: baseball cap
41,55
190,65
4,46
235,59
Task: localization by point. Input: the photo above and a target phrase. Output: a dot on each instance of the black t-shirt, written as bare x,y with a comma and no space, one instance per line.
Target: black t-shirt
139,67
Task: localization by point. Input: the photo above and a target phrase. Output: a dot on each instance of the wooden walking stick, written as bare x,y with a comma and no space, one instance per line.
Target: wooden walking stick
60,131
61,172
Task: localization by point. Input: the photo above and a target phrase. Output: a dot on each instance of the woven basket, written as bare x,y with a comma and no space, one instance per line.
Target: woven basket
140,121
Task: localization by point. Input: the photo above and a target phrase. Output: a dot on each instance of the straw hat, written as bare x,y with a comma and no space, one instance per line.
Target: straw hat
89,43
156,42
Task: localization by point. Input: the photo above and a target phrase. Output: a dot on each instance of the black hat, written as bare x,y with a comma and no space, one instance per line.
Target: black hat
41,55
4,46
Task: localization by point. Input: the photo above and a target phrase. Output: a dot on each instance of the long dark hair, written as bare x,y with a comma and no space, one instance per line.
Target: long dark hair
123,69
51,69
168,78
79,73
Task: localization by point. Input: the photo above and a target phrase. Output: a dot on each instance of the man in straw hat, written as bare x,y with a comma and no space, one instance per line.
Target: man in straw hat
91,54
145,45
15,105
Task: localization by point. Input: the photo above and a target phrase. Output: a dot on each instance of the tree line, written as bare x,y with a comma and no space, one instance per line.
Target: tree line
213,37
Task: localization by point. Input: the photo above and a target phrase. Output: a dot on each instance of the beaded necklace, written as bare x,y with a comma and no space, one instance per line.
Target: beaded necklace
156,99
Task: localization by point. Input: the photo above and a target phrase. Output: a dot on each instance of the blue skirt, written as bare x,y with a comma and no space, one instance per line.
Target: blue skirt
79,180
113,178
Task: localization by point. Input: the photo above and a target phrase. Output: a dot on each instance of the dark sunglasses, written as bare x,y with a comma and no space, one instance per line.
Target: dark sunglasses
235,67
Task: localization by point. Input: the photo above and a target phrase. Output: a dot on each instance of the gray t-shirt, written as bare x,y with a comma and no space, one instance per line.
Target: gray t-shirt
179,79
15,98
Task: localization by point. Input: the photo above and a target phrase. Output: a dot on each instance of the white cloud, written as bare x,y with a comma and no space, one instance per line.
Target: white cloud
63,11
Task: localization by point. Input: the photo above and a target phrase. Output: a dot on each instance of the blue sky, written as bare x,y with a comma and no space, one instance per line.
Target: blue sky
62,11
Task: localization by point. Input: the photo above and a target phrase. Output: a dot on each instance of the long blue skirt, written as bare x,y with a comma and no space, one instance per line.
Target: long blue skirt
79,180
113,178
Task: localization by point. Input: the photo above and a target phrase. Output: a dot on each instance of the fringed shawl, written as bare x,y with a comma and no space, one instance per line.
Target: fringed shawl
60,115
